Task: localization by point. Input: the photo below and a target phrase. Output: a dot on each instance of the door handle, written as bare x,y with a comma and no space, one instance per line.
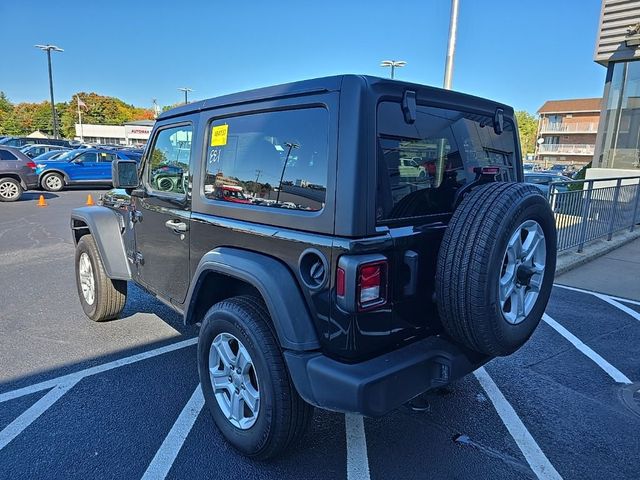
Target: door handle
176,225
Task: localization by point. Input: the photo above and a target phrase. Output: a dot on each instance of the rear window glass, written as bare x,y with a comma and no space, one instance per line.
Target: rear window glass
7,155
422,165
271,159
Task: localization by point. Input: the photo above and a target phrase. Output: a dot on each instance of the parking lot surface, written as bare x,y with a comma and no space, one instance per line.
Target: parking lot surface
121,399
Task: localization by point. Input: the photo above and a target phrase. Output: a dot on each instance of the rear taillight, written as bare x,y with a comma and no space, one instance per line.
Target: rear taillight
372,285
362,282
340,285
31,165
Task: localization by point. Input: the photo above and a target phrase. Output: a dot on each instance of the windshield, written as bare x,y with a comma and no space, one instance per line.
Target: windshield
422,165
68,155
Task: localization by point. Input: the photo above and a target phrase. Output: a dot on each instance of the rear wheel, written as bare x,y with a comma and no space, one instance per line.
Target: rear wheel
53,182
496,266
10,190
101,297
245,381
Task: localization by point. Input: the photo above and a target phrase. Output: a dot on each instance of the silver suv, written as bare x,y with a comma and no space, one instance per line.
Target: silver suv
17,174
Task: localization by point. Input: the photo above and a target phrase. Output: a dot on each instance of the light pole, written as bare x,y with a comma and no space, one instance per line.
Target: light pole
393,64
451,47
48,48
186,93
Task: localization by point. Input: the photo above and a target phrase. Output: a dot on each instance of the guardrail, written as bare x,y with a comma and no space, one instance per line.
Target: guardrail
587,210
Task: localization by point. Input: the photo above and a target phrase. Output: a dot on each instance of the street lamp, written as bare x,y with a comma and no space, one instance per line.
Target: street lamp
393,64
186,93
451,45
48,49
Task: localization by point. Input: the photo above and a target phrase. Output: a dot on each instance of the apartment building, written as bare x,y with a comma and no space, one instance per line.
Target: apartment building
567,131
618,49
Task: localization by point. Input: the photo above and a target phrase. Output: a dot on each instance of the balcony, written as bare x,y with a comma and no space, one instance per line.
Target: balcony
566,149
578,127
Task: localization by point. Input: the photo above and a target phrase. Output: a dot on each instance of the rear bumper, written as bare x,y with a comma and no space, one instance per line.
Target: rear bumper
379,385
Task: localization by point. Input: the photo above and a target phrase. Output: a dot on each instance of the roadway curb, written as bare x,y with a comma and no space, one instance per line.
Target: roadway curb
571,259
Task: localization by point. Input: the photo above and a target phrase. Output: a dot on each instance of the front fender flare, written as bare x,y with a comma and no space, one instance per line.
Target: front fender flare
278,287
106,227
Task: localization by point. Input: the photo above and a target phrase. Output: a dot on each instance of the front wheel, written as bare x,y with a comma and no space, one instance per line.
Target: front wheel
245,381
53,182
101,297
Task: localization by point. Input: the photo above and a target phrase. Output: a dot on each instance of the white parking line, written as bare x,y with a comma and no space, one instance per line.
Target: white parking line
16,427
618,305
168,451
612,297
357,457
536,459
612,371
76,376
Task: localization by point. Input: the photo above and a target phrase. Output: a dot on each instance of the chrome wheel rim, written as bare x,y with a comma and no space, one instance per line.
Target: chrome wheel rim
234,380
522,272
53,182
87,283
9,190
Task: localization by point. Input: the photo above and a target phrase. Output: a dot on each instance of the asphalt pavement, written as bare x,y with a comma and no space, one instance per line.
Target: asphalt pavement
121,399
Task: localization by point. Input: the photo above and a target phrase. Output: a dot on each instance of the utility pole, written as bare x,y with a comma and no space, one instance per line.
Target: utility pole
48,48
186,91
451,47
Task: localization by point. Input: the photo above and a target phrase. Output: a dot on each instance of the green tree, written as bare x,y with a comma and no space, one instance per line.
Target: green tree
527,130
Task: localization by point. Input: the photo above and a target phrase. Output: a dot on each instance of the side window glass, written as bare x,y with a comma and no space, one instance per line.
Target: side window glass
272,159
7,155
87,157
107,157
167,170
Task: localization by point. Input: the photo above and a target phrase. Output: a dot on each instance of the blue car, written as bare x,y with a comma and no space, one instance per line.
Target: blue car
87,166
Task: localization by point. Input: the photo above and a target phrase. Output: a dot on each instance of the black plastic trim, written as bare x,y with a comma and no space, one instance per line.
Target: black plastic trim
379,385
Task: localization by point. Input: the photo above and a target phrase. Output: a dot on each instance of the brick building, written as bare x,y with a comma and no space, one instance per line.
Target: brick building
567,131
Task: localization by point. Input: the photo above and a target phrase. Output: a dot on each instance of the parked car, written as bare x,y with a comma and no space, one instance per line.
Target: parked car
35,150
22,141
542,180
17,174
51,155
354,295
89,166
531,167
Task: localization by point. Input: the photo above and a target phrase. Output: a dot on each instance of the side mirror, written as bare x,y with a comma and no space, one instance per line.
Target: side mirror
124,173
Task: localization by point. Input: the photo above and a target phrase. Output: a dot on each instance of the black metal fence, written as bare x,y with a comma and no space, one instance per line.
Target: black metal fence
587,210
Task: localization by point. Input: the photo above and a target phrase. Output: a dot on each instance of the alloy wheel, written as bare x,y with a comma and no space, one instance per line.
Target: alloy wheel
522,272
234,380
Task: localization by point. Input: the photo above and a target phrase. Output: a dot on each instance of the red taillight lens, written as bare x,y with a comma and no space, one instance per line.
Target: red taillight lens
372,285
31,165
340,285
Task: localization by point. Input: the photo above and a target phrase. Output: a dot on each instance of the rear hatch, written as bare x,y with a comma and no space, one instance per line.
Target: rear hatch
422,168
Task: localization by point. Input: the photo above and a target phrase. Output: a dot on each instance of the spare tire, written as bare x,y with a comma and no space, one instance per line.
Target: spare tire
495,267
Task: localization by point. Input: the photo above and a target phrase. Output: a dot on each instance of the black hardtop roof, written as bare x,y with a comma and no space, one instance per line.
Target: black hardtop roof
329,84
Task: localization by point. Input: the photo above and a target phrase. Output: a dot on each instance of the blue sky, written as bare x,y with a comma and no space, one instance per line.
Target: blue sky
521,52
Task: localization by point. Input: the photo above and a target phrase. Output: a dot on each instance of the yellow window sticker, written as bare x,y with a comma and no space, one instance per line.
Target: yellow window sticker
219,135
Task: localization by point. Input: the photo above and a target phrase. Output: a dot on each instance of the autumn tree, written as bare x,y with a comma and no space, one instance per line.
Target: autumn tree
527,130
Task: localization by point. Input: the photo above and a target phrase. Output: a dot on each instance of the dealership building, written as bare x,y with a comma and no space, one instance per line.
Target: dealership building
618,49
131,133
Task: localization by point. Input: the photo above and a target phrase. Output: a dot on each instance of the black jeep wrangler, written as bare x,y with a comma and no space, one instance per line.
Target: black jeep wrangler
346,242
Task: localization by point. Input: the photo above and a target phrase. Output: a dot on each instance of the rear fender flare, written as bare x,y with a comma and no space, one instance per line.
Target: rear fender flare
275,283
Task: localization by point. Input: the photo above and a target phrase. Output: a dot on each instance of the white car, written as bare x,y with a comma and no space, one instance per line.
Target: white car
410,168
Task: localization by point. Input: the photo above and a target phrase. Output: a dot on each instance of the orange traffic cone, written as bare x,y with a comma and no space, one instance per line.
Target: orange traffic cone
89,200
42,202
